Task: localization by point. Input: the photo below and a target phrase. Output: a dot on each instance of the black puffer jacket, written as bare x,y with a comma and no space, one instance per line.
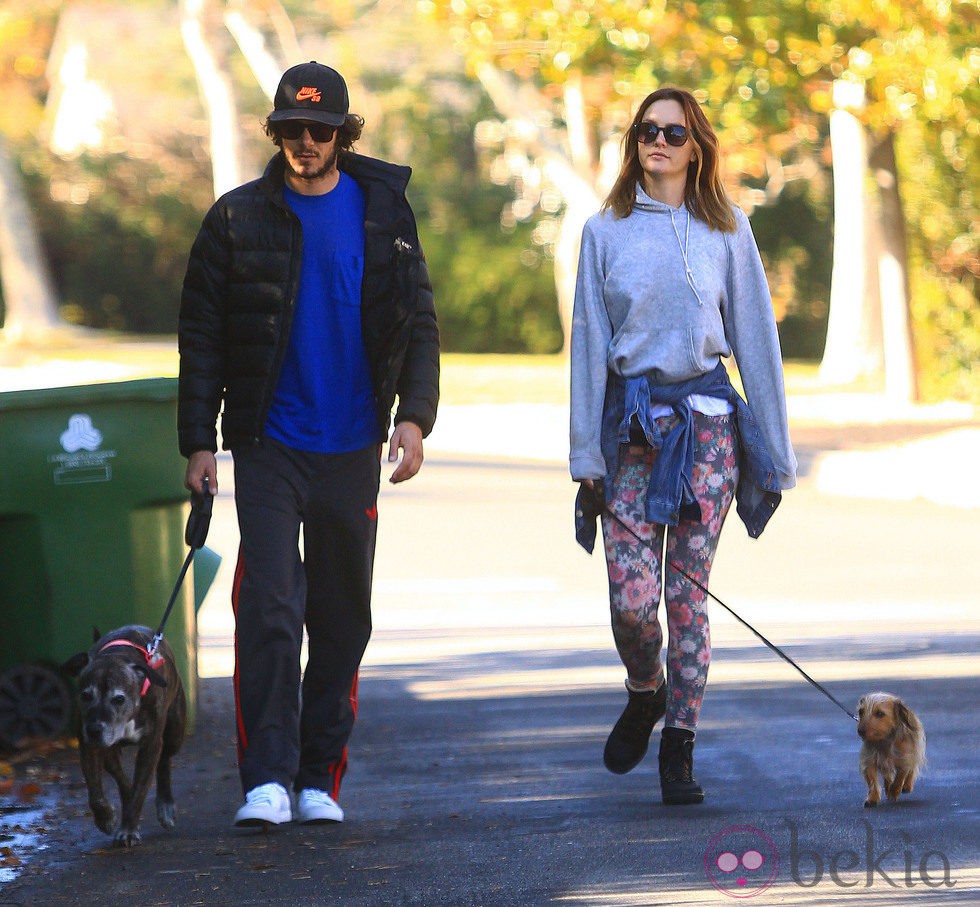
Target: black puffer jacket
239,295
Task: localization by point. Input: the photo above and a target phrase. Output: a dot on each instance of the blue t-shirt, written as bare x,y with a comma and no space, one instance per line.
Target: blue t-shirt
324,402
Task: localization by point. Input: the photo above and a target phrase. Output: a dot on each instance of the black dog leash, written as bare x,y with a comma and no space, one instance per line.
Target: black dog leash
195,534
744,623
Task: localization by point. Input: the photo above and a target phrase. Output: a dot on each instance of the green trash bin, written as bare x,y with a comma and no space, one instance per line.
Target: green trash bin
92,515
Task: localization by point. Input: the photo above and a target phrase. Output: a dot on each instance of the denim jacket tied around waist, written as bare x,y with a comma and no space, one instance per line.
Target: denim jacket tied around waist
670,495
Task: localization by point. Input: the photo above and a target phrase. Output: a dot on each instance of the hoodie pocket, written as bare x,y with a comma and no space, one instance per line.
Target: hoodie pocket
677,359
667,354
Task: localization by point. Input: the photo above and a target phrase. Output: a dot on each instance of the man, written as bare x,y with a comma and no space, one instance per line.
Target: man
306,310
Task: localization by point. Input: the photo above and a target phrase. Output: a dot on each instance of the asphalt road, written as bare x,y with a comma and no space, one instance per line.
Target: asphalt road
490,686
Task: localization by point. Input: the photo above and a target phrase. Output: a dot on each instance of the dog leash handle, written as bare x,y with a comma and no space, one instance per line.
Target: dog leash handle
199,521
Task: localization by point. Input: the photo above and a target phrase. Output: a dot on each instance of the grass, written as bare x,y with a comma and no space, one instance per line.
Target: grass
494,378
467,379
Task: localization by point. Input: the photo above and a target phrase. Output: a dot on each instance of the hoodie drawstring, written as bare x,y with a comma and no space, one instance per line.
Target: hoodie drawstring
687,268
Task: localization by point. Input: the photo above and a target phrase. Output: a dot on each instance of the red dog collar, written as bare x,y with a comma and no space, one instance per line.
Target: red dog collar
153,661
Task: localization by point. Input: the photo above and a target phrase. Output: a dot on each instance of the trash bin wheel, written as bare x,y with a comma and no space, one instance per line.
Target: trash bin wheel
34,702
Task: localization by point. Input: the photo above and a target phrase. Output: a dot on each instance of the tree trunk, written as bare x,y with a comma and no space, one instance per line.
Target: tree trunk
30,301
285,32
853,347
901,382
566,167
580,203
251,42
218,97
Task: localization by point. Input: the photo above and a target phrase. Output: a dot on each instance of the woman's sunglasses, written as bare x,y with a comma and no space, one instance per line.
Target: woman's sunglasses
646,133
294,129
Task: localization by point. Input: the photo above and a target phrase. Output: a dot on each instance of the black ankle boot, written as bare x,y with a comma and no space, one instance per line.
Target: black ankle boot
677,784
630,737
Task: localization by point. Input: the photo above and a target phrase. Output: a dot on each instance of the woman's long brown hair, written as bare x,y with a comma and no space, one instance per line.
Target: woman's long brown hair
704,193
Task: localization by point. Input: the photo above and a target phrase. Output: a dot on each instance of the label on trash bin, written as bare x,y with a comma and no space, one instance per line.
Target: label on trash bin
82,461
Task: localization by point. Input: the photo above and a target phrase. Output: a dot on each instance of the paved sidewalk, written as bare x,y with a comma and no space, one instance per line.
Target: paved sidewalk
486,696
857,445
467,789
490,685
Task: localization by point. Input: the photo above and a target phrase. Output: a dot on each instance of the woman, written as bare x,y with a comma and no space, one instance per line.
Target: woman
669,282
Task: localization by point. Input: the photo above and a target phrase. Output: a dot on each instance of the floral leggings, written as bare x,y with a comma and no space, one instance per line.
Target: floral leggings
635,570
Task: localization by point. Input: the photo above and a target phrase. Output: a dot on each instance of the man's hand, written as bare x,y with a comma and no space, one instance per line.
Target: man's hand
201,463
407,437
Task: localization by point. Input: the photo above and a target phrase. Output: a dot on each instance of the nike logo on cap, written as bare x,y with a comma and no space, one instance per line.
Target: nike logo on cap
309,94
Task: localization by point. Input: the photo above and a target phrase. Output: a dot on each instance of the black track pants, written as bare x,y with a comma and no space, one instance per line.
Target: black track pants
299,738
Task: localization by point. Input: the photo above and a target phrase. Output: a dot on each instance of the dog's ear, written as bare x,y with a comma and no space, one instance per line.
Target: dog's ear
96,634
903,715
73,667
151,674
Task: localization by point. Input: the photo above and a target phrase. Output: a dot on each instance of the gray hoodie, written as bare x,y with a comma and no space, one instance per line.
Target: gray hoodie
660,292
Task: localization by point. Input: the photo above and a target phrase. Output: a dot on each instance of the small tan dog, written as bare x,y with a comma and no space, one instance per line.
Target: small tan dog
894,745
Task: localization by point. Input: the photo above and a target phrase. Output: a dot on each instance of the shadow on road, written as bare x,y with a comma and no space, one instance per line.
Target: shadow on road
466,788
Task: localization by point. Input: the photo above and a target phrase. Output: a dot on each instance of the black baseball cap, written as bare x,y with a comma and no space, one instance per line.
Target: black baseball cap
311,91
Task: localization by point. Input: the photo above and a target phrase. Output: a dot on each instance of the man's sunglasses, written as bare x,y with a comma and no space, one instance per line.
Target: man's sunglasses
646,133
294,129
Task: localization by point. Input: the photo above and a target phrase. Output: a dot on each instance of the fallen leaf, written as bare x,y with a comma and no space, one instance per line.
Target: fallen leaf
28,791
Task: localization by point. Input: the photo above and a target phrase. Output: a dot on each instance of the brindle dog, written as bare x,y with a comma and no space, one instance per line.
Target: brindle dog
129,699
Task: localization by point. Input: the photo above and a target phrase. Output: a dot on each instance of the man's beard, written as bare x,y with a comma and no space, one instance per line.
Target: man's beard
328,164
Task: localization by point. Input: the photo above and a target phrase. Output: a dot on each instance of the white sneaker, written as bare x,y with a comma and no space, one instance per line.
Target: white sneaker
267,804
316,806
